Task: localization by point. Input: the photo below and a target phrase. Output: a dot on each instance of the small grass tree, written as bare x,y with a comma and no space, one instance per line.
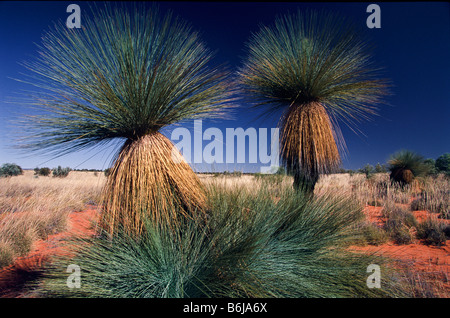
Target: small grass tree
126,76
316,69
405,166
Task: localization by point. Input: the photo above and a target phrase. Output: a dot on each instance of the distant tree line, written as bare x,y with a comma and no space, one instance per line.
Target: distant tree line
427,167
407,160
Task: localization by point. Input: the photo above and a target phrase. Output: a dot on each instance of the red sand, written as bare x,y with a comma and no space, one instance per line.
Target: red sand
27,267
432,261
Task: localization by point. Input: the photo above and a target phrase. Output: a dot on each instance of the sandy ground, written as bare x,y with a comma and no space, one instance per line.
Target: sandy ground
430,261
13,277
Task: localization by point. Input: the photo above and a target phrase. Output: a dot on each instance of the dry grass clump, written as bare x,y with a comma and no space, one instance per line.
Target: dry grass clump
378,189
342,183
423,284
33,208
433,231
401,225
434,196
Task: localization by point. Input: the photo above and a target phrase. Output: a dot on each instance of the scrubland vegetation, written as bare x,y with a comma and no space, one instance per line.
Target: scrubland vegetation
260,238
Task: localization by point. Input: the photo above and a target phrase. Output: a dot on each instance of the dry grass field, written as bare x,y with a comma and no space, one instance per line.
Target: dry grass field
408,224
31,208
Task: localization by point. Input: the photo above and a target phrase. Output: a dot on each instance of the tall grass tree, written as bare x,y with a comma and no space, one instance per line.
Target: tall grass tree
317,71
124,76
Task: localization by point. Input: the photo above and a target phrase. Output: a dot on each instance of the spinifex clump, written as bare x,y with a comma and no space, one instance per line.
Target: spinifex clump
126,76
316,70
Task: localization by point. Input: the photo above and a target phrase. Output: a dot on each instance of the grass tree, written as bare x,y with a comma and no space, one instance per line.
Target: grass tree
405,166
124,76
317,71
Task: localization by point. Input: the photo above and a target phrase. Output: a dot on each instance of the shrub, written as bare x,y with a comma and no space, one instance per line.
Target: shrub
61,172
107,172
418,204
432,231
380,168
368,170
401,234
400,224
232,173
273,179
373,235
10,169
431,163
42,171
443,163
6,254
447,231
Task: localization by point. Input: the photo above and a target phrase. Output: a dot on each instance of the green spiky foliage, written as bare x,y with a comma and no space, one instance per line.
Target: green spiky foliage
126,76
405,166
250,246
317,71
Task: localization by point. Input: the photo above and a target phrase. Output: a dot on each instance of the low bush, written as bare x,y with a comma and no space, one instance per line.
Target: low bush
400,225
42,171
10,170
61,172
6,253
433,232
373,234
107,172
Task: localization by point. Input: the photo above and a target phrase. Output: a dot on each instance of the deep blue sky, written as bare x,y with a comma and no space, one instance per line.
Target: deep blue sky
413,45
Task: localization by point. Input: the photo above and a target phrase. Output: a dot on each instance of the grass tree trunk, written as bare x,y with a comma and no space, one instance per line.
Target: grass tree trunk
402,175
304,183
149,177
308,144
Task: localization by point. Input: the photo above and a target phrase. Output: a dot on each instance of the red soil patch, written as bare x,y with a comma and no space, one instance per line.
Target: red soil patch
431,261
13,277
374,215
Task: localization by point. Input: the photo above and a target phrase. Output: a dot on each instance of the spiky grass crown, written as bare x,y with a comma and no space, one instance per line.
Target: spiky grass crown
408,160
312,57
120,75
